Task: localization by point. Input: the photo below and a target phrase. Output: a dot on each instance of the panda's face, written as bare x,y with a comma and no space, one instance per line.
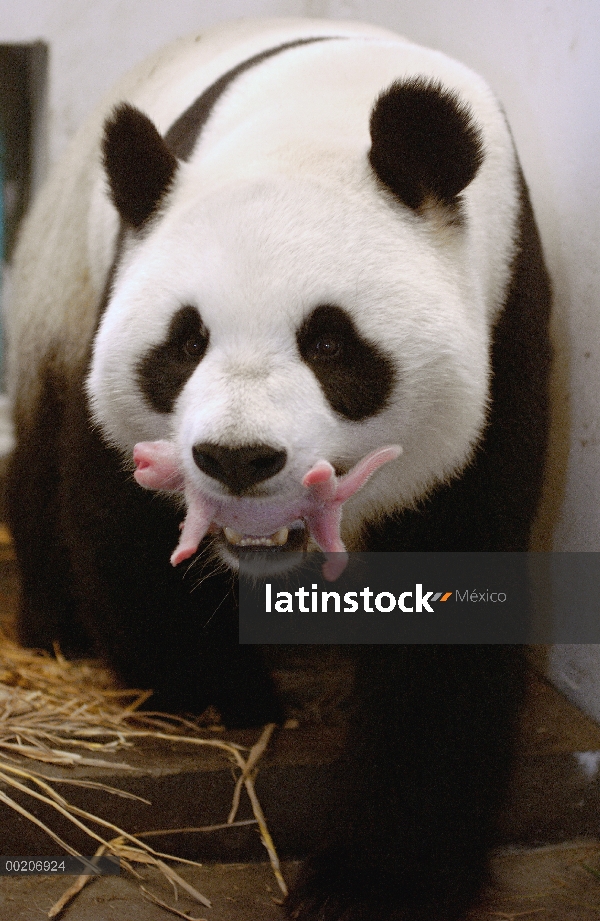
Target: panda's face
266,325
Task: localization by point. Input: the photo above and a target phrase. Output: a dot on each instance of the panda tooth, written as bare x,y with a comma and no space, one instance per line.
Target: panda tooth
233,537
280,537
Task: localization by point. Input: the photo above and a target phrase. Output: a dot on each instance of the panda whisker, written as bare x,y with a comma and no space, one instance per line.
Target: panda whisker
205,565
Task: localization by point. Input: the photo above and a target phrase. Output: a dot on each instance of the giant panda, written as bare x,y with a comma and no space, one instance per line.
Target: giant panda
277,249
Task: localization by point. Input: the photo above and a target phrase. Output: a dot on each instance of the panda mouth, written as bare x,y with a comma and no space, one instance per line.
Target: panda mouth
315,512
294,537
278,539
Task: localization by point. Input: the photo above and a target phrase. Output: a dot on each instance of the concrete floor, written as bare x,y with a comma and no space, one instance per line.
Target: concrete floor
560,883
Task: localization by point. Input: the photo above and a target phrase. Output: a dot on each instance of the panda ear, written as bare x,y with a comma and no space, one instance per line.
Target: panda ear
139,165
425,143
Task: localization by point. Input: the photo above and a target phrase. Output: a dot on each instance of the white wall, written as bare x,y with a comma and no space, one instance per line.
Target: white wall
92,42
542,57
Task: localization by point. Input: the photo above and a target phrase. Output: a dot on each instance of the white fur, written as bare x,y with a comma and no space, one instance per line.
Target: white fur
277,212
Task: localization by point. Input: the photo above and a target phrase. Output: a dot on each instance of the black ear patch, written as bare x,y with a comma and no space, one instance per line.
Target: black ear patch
424,142
139,165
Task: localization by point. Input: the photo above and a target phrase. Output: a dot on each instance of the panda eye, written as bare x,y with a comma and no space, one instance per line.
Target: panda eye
327,347
194,347
189,336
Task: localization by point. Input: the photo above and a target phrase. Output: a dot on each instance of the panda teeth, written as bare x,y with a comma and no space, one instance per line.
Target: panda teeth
278,539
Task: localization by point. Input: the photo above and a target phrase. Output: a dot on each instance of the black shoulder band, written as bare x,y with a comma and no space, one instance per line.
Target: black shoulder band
183,134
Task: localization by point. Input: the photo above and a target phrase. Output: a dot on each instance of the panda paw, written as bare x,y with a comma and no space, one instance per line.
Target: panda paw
338,906
330,890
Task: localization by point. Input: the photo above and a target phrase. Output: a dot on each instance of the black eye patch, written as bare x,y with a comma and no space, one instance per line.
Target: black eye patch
165,368
355,375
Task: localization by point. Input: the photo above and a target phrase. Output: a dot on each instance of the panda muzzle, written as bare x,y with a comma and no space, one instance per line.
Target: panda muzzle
248,524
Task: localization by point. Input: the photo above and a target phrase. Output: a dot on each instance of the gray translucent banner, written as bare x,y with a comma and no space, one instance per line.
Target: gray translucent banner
421,598
64,865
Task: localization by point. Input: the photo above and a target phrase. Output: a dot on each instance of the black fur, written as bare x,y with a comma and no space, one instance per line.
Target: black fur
424,143
165,368
139,165
91,549
428,760
356,376
48,608
433,726
183,134
433,738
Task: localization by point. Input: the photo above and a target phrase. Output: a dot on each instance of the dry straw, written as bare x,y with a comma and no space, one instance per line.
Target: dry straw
70,714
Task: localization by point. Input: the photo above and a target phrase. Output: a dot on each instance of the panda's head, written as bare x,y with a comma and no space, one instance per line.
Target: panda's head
264,322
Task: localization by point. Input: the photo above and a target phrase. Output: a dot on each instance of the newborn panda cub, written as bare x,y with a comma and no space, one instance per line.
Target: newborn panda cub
285,292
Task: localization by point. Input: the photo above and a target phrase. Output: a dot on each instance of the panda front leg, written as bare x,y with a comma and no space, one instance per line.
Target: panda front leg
47,609
428,765
174,631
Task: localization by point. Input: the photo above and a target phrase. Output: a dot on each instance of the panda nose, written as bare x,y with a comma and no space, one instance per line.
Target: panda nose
238,468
